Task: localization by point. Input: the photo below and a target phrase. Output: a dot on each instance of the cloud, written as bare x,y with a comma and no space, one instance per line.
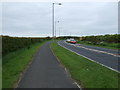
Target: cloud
84,18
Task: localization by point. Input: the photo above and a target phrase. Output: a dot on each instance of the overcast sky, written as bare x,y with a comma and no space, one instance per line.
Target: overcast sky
78,19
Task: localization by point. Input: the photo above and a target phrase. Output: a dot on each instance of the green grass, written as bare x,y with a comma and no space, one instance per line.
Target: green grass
0,73
103,45
87,73
15,63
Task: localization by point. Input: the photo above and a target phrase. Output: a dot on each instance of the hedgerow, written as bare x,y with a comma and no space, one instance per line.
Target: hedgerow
103,38
10,44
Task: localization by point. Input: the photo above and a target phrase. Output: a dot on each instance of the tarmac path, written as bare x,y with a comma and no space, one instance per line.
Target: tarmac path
45,71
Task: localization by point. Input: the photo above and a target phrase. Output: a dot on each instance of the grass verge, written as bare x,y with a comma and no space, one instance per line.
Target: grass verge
104,45
87,73
14,64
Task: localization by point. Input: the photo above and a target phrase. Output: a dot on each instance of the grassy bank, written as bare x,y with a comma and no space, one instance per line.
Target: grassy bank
14,63
87,73
103,44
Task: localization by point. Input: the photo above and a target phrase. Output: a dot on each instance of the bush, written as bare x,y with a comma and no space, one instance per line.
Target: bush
103,38
10,44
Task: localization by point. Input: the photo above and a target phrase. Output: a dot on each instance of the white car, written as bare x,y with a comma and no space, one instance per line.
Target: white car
68,40
71,40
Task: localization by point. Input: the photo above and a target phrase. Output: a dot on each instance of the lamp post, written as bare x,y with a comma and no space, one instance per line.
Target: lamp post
60,30
56,28
53,17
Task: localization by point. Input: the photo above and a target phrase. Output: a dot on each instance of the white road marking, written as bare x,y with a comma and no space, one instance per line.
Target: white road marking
66,70
78,45
90,59
78,85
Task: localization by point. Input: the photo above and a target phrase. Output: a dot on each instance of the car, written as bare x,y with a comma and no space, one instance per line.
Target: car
73,41
68,40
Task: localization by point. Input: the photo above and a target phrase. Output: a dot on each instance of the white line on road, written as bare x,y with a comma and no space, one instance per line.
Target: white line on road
66,70
78,85
94,50
90,59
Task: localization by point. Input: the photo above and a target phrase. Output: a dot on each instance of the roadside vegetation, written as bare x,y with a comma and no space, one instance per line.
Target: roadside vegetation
87,73
105,41
0,62
102,44
11,44
16,59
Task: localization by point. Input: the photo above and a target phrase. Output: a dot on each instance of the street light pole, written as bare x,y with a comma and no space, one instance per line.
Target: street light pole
59,31
56,28
53,18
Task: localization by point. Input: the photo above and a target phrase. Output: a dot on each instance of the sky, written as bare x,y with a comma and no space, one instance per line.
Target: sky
34,19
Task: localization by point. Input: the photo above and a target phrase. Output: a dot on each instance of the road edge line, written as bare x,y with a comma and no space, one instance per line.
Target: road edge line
67,71
90,59
95,50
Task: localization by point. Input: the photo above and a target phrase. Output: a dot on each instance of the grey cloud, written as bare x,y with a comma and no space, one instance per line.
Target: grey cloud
35,19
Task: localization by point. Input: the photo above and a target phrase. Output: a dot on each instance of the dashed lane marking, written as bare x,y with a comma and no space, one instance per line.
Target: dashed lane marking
78,45
89,59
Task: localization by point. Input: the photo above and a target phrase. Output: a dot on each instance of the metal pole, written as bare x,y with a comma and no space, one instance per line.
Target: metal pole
55,29
59,32
53,20
53,17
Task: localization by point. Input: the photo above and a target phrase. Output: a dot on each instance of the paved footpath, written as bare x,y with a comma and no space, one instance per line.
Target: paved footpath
46,72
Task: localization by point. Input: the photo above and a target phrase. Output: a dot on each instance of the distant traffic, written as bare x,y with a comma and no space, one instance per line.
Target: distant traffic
71,40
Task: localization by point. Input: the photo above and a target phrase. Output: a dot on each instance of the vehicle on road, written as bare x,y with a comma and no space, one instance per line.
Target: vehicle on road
71,40
68,40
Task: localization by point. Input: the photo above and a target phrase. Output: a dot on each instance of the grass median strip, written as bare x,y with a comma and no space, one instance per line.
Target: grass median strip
14,63
106,45
87,73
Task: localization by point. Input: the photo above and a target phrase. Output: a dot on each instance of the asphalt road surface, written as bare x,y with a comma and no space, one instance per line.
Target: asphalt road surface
106,57
46,72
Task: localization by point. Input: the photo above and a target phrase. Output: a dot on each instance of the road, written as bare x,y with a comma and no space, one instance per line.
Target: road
105,57
46,72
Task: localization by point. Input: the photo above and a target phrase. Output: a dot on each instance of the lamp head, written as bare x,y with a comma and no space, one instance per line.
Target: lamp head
59,3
